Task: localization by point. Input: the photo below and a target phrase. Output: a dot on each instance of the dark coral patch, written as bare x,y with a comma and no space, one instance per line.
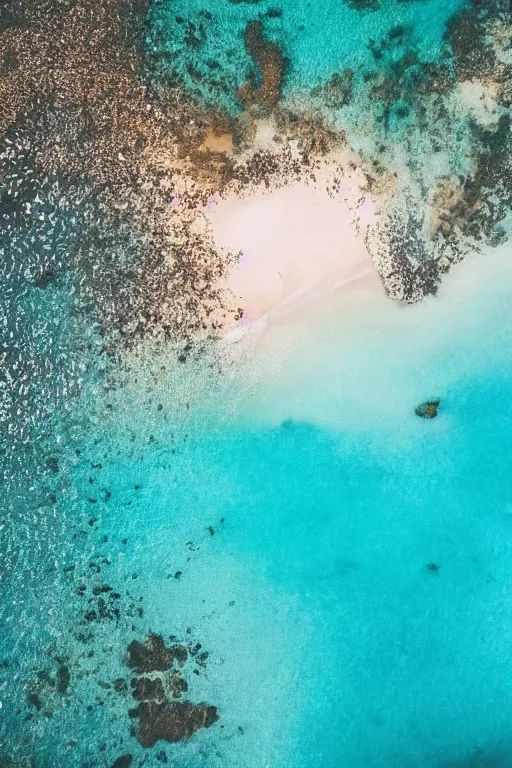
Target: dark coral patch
177,685
363,5
62,679
153,655
428,409
271,63
172,721
123,762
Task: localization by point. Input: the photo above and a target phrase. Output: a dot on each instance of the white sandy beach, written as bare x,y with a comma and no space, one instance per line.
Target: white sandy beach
295,243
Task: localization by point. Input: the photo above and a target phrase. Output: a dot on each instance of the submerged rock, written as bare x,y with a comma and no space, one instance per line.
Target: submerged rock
271,63
172,721
123,762
52,463
160,717
62,679
44,280
153,656
428,409
33,700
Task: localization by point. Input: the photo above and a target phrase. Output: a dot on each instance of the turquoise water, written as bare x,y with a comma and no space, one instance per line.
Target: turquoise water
337,568
303,508
319,39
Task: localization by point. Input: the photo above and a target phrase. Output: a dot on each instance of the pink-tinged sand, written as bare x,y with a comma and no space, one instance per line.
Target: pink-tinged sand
296,240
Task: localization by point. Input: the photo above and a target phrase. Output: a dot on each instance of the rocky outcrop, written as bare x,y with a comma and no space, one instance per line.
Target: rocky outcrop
428,409
154,656
271,63
172,721
160,716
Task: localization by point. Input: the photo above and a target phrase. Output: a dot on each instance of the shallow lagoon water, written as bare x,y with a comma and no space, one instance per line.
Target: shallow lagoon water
332,639
342,647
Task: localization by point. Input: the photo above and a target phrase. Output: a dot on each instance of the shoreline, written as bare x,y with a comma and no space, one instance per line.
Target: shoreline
300,298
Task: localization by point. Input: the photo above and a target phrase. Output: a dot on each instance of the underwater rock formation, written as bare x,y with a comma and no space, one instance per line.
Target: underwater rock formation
154,656
271,62
428,409
122,762
172,721
161,718
177,685
144,688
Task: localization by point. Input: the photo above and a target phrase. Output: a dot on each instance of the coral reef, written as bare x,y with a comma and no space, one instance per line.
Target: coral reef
271,63
172,721
161,718
338,90
473,55
153,656
109,158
